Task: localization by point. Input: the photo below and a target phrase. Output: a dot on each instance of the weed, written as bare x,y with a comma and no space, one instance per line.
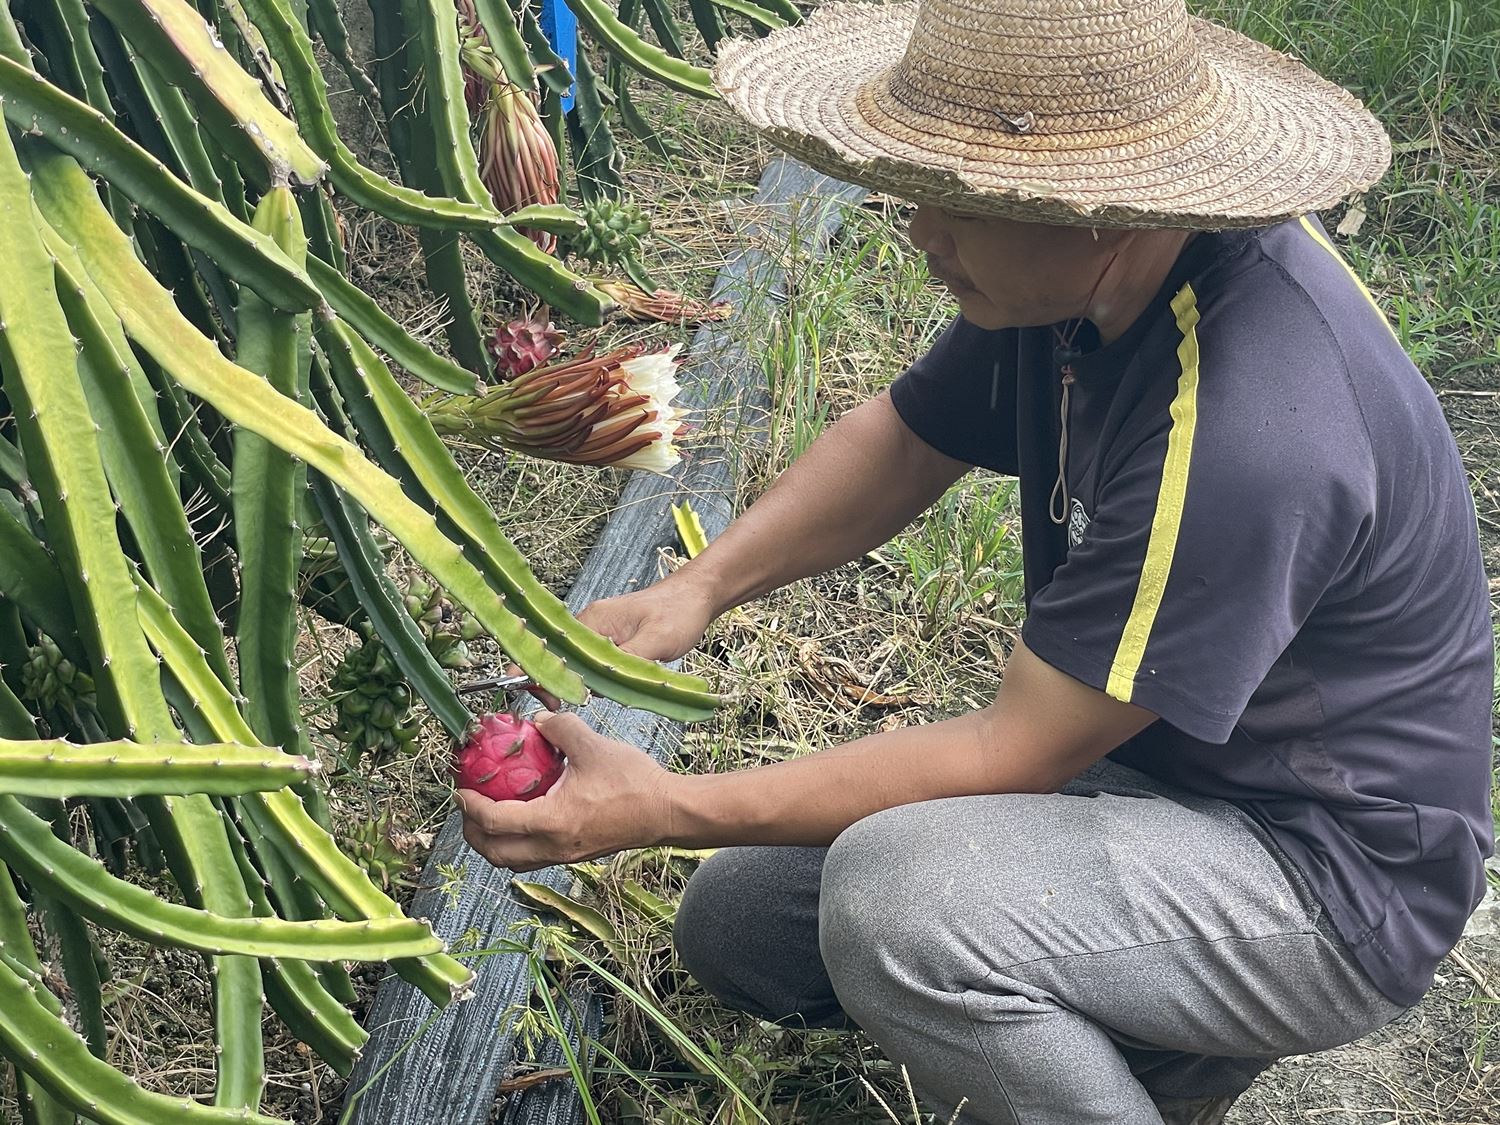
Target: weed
853,319
1403,58
964,553
1487,1017
828,299
1430,70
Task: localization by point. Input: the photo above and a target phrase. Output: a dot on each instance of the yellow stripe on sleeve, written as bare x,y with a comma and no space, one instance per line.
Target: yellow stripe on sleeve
1167,520
1318,237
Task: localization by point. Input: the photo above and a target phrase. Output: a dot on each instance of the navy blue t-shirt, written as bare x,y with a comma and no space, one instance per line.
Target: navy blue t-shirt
1267,540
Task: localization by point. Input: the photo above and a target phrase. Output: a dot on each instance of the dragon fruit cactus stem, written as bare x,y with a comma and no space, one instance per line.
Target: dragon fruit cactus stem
507,759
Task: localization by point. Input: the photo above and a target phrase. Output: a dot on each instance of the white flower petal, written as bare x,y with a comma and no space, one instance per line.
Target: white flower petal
654,374
658,457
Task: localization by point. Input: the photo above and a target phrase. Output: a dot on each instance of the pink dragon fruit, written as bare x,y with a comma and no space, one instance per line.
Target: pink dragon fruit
507,759
522,345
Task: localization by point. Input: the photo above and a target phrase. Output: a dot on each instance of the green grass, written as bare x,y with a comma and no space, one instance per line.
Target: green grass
1430,70
964,555
1402,57
852,320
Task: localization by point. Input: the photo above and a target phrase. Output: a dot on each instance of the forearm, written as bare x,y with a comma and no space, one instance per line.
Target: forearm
859,484
1043,729
809,801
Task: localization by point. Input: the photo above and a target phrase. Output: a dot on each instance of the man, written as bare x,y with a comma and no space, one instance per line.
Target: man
1231,800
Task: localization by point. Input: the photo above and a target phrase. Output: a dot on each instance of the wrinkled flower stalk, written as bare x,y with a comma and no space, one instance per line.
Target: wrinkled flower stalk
612,409
480,65
664,304
517,159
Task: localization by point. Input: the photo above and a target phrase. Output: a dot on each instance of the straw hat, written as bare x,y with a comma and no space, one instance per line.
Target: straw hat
1110,113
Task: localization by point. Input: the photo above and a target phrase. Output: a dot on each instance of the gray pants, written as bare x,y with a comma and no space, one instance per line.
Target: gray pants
1055,959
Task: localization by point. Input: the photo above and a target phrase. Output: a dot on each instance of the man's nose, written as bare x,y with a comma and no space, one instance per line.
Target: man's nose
929,233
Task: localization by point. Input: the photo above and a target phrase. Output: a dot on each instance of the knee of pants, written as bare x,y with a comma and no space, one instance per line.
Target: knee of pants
896,899
732,937
703,929
877,928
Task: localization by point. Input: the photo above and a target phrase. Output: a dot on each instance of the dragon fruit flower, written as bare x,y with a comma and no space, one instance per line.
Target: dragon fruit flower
476,57
507,759
654,375
612,409
517,159
664,304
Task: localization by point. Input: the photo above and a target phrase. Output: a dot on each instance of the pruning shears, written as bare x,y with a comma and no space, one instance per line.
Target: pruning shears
519,682
513,683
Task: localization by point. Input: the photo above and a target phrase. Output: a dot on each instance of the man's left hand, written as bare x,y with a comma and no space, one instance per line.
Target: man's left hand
611,796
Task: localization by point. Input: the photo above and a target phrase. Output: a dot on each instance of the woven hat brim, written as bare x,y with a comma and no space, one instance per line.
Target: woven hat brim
1267,141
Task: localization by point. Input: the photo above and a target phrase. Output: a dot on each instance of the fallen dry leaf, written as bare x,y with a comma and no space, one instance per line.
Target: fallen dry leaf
839,681
1353,219
532,1078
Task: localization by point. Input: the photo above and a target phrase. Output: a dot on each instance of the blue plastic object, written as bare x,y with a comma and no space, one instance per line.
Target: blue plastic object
560,26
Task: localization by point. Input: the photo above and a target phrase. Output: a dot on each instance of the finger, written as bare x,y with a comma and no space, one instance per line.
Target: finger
638,643
596,619
510,852
521,864
653,644
571,735
475,837
544,697
541,695
498,818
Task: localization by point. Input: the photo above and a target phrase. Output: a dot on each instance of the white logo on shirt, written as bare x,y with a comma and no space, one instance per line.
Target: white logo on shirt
1078,523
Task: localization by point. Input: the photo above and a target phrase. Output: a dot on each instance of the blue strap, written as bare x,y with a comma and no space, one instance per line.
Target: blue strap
560,26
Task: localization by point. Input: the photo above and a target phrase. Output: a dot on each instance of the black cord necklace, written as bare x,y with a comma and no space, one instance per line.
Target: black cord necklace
1064,355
